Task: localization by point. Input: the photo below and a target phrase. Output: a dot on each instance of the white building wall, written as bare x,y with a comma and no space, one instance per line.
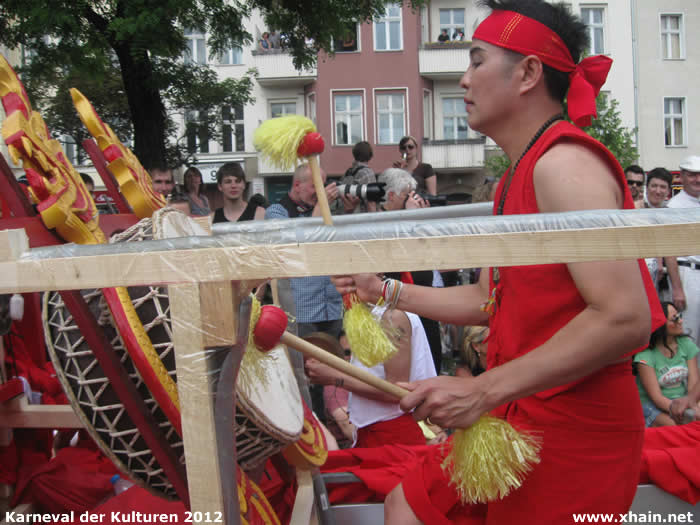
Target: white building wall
659,78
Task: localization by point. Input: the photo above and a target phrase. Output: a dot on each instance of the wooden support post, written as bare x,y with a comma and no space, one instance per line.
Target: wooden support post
194,309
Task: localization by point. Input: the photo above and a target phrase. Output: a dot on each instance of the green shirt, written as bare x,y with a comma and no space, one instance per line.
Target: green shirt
671,373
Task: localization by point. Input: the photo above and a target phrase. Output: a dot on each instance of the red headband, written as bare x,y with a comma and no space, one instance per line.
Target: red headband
526,36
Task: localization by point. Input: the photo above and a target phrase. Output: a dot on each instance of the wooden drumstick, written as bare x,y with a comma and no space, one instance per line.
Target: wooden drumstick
311,350
271,330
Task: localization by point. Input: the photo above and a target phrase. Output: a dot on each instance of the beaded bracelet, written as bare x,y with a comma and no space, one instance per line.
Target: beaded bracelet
391,292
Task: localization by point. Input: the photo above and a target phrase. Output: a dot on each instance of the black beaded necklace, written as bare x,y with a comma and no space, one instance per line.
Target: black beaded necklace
489,306
511,173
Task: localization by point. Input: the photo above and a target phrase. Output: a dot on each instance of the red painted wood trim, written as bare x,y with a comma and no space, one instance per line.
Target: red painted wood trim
100,164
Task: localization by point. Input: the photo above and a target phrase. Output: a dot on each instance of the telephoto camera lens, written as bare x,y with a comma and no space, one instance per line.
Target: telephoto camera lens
373,192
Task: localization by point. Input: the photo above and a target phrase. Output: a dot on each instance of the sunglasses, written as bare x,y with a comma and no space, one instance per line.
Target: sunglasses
637,183
677,317
406,146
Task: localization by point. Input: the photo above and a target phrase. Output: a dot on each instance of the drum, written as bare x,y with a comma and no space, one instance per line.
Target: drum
269,414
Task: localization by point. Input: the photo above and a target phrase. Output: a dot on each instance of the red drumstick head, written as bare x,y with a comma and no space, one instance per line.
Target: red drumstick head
270,327
311,144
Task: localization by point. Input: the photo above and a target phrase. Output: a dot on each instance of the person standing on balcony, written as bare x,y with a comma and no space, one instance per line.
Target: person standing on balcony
265,44
426,179
443,37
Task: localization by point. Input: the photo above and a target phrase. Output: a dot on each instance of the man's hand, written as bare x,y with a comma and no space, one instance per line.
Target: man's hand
679,298
449,402
332,192
350,202
367,286
415,201
319,373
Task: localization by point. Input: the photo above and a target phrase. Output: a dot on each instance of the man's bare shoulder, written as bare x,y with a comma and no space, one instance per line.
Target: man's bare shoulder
571,176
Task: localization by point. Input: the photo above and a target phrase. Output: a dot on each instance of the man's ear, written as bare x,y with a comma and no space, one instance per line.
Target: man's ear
530,71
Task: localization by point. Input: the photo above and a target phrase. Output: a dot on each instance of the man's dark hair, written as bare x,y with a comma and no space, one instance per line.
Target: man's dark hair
559,19
662,174
362,151
634,169
232,169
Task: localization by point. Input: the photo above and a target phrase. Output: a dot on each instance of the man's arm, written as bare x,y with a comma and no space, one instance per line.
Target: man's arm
615,321
452,305
676,284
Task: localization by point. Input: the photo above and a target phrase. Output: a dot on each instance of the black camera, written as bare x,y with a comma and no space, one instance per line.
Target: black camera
372,192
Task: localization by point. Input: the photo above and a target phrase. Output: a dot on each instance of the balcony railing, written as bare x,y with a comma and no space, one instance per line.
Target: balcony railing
446,154
443,60
276,68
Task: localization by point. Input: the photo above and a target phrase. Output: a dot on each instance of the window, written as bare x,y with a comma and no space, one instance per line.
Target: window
69,148
348,119
674,121
453,21
196,132
279,109
387,30
347,42
196,51
454,118
233,130
427,114
231,56
672,37
390,117
593,17
312,107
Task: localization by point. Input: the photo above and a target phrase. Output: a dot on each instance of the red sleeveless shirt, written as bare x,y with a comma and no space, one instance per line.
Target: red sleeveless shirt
534,302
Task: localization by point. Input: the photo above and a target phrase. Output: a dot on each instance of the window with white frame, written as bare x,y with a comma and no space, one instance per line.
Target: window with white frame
387,30
279,109
427,114
196,132
232,56
672,37
594,18
312,107
391,117
454,118
453,21
348,118
233,130
674,121
196,51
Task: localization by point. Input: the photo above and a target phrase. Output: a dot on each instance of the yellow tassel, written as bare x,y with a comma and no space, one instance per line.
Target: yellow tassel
489,459
368,340
278,139
253,369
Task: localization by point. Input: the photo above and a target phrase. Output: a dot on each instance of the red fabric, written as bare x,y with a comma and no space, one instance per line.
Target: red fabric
671,460
75,479
402,430
526,36
534,302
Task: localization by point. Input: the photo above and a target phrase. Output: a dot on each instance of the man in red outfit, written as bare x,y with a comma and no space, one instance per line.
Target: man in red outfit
561,334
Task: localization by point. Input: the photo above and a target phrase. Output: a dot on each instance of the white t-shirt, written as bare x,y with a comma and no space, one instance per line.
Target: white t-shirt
363,411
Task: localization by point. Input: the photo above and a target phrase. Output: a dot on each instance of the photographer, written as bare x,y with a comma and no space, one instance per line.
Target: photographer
361,173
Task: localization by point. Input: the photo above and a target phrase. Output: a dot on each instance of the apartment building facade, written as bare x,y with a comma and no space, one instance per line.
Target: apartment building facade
392,77
667,75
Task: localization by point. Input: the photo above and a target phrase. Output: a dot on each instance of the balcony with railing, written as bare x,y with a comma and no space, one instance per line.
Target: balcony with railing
276,69
443,60
457,154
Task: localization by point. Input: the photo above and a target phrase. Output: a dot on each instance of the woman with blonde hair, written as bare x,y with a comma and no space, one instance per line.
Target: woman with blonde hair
474,347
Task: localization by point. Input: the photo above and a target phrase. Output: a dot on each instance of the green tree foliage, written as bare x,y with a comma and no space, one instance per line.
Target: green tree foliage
608,129
132,51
